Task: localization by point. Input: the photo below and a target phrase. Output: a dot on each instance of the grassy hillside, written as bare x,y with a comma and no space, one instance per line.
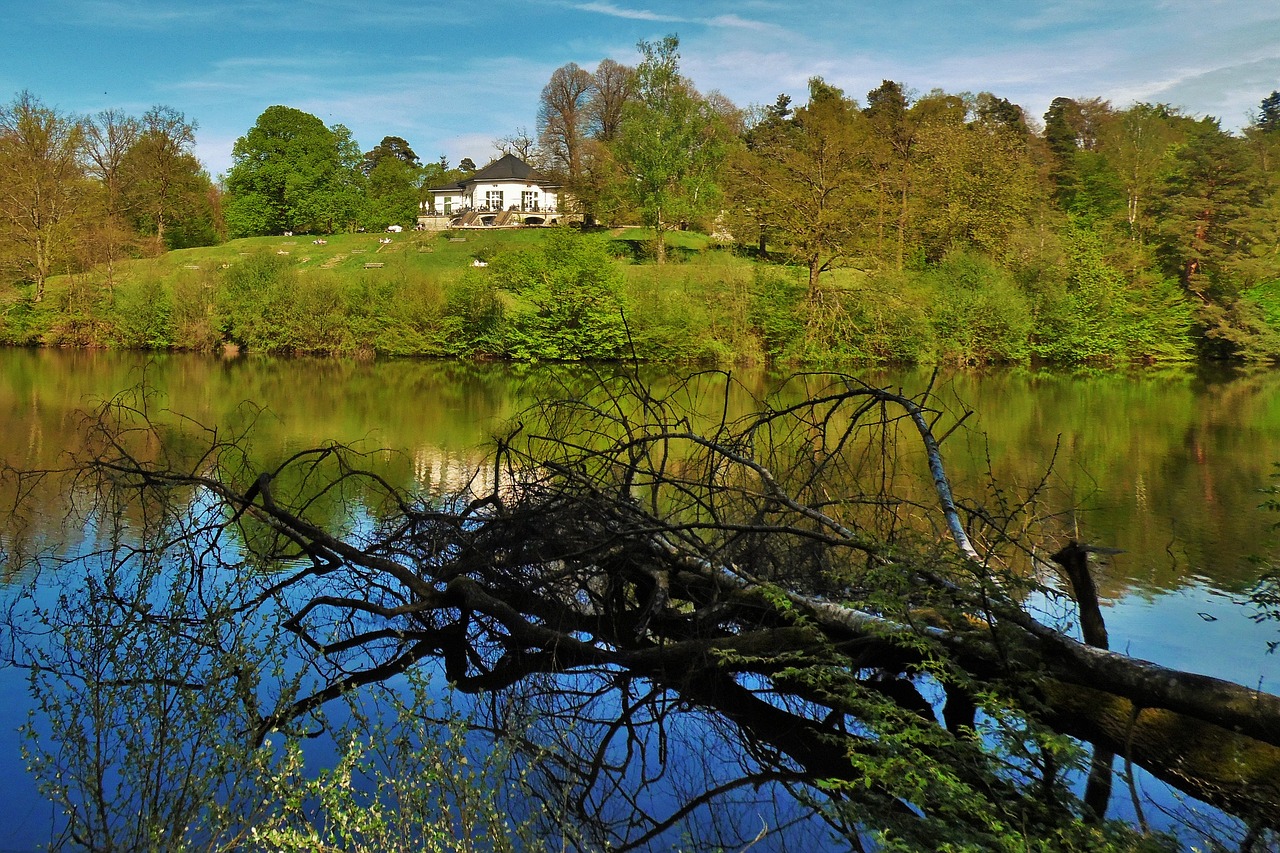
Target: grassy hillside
414,293
556,295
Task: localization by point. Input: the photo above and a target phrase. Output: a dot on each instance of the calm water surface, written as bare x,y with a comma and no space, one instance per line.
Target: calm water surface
1167,467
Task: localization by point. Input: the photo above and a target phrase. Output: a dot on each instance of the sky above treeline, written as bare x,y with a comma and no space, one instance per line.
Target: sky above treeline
452,77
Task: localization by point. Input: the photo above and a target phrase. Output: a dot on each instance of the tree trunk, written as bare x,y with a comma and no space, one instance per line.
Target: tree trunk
1224,768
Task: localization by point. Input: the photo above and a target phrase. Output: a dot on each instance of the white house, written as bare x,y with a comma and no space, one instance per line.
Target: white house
508,191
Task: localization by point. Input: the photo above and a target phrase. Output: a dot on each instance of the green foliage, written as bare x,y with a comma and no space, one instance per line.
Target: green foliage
1099,316
695,312
405,782
251,291
873,320
1209,210
45,195
163,188
141,736
19,322
1091,188
267,305
193,312
776,310
892,312
1268,119
801,180
979,315
291,173
1266,296
392,194
143,314
473,316
553,295
79,315
670,145
899,185
568,300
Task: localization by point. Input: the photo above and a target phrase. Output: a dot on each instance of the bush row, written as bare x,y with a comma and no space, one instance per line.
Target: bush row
569,297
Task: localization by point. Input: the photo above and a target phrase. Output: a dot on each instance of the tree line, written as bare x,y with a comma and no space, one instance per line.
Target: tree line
80,192
1100,233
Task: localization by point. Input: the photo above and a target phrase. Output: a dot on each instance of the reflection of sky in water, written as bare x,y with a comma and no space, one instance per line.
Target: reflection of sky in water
1199,630
27,818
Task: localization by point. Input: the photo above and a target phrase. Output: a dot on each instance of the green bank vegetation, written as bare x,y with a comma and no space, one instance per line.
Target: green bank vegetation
560,295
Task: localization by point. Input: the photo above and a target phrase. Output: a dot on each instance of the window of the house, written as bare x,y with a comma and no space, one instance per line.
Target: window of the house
493,199
529,200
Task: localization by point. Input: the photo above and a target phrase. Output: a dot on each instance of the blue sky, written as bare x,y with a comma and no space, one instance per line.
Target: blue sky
452,77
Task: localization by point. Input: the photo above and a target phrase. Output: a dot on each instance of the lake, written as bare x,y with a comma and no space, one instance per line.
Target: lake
1166,467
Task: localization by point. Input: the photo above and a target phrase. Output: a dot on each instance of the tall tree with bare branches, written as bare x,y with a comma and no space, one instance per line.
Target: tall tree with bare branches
562,117
614,86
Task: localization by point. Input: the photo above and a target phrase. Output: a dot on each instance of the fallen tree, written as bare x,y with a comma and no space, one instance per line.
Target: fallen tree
857,638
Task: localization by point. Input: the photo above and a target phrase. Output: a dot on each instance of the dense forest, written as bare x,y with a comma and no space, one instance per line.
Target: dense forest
902,227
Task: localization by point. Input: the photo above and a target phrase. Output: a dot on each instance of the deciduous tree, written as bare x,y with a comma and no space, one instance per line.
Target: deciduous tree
392,175
976,183
670,145
520,144
613,86
108,137
42,188
1138,145
291,173
563,118
891,157
163,182
807,177
392,194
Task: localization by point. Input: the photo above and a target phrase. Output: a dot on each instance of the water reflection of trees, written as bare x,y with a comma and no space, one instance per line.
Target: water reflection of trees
1164,467
640,572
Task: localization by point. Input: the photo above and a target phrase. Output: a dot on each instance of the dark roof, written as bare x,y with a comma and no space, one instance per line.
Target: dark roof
508,167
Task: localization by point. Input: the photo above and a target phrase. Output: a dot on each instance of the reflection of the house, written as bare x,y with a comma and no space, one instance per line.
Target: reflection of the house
444,473
507,192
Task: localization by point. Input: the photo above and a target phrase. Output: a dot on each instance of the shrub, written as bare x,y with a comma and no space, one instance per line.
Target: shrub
257,297
891,314
20,322
568,304
78,316
777,308
1097,314
194,315
979,315
473,316
142,314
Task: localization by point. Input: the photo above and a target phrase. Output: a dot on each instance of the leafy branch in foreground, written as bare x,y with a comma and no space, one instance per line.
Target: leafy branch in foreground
696,622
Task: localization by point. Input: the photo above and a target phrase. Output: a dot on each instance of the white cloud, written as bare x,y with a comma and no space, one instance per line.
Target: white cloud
630,14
